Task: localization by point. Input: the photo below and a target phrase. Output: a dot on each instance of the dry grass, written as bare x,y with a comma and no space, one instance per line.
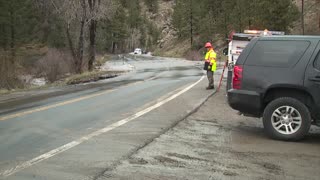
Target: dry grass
89,77
32,87
71,80
4,91
101,60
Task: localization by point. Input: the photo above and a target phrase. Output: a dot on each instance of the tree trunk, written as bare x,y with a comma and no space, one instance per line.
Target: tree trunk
4,39
46,14
302,16
81,39
77,53
71,46
80,48
113,45
191,24
12,34
225,26
92,47
240,21
319,21
93,6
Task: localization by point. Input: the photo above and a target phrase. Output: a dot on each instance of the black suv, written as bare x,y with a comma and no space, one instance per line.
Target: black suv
278,78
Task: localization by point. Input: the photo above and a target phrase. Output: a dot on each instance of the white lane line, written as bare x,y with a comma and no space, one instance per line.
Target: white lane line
72,144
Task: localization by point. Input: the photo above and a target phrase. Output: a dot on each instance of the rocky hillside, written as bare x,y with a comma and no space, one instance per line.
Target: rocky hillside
168,44
162,19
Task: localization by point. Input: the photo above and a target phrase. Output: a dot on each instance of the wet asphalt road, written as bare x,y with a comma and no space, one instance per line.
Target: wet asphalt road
36,123
172,141
216,143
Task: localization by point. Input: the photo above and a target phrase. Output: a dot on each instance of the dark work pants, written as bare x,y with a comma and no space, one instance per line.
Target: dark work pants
210,78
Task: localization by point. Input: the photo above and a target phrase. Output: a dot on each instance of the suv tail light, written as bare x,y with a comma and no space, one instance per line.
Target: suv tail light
237,78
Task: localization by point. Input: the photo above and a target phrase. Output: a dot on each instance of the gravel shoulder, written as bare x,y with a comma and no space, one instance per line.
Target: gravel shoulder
217,143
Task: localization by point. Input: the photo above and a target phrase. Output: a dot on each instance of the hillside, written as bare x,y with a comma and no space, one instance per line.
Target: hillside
170,44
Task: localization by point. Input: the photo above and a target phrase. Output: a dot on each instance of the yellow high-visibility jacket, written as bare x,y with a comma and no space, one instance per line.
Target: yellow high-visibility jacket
211,57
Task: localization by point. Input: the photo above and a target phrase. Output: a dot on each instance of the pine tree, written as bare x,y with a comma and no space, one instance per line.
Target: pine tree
186,17
134,10
179,20
18,24
277,15
207,18
119,31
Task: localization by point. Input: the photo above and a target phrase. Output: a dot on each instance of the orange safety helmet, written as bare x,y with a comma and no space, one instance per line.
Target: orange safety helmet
208,45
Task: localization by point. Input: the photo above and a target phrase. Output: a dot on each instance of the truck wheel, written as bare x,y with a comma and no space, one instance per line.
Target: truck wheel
286,119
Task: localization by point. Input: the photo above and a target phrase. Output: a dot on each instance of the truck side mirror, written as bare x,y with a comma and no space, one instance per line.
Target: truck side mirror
225,51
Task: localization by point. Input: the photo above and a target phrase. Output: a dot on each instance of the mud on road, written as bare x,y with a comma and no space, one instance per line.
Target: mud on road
217,143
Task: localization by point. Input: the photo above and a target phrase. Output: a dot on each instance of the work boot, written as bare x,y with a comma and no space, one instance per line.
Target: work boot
210,87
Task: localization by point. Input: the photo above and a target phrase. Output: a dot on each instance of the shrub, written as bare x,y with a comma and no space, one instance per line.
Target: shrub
54,65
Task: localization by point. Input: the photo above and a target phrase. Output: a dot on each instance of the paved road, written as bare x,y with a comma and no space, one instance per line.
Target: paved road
80,132
215,143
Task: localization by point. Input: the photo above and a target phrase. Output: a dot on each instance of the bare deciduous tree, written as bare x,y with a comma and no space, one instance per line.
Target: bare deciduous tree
78,15
74,15
93,9
97,10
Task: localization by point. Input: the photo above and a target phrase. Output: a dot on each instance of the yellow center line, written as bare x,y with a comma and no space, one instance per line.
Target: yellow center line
59,104
65,102
54,105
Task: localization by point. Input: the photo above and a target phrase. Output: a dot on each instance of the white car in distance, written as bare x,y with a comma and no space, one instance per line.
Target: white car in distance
137,51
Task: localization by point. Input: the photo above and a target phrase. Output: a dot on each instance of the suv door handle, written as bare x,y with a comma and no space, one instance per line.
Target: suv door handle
316,78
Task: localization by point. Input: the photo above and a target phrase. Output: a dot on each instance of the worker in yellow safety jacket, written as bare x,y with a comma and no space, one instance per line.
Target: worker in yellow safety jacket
210,64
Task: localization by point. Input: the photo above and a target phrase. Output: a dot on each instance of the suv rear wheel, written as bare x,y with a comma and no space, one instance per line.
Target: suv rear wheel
286,119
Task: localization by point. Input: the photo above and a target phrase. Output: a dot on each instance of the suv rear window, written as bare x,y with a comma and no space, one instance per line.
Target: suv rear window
277,53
